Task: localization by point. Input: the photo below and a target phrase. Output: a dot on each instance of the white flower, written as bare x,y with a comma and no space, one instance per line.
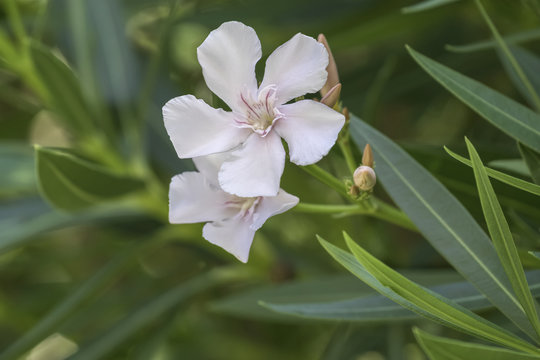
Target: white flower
232,220
260,116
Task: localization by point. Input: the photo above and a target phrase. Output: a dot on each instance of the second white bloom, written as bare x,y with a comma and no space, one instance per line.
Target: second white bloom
260,116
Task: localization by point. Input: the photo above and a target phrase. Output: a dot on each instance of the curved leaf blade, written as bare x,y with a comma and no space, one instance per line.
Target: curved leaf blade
72,183
445,223
512,118
502,238
440,348
505,178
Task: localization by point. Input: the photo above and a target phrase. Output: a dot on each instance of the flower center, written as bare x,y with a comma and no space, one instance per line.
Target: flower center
260,114
246,206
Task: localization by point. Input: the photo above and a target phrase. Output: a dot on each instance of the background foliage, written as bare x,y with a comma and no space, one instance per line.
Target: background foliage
88,260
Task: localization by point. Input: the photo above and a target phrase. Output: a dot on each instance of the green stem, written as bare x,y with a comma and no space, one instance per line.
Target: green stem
326,178
344,145
517,68
372,207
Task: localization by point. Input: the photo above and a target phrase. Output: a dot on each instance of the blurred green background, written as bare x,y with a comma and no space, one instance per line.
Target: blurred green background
127,59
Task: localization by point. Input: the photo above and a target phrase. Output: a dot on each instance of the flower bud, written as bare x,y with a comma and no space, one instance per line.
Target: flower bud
331,98
333,77
367,156
364,178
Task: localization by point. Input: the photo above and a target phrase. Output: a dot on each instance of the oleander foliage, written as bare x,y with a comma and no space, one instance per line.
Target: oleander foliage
91,269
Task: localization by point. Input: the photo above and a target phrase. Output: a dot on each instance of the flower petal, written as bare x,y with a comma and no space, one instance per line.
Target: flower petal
297,67
272,205
233,235
192,199
228,57
255,168
209,166
197,129
310,128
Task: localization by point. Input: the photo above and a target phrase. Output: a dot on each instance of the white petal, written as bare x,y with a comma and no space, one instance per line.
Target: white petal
297,67
233,235
197,129
209,166
192,199
310,128
228,57
255,168
272,205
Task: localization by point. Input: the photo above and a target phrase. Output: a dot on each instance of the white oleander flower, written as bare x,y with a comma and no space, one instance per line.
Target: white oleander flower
231,220
259,116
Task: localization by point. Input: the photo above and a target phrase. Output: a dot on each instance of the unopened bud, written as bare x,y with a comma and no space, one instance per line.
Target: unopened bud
364,177
331,98
333,77
367,156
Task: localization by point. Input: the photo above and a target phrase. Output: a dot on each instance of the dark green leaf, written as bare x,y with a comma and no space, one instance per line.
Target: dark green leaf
532,160
514,119
425,5
445,223
490,44
70,183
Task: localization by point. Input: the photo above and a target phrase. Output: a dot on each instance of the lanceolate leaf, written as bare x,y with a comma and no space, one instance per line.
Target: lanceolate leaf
439,348
530,64
507,179
502,238
445,310
69,182
514,119
532,160
430,306
426,5
376,308
516,38
445,223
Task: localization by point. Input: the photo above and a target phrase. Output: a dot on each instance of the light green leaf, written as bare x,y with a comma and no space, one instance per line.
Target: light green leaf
516,38
373,308
440,348
137,319
445,223
71,183
64,92
514,119
532,160
425,5
502,238
48,324
517,166
443,310
507,179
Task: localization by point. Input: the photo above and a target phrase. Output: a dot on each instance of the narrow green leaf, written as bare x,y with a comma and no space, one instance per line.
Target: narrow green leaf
532,160
70,183
516,38
425,5
502,238
16,170
440,348
65,95
376,308
522,78
530,64
111,338
444,310
509,116
445,223
48,324
505,178
517,166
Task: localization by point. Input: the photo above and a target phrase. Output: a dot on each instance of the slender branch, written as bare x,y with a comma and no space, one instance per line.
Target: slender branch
326,178
344,145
